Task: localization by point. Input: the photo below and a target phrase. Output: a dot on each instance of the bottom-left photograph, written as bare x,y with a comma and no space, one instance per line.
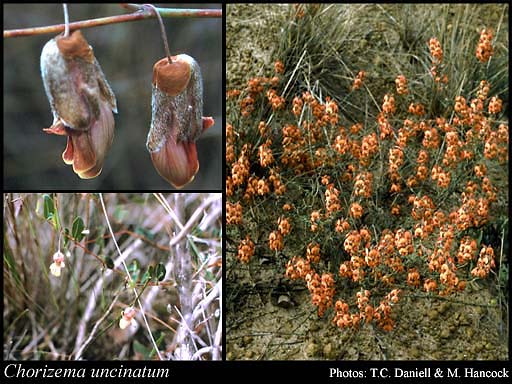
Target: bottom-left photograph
112,276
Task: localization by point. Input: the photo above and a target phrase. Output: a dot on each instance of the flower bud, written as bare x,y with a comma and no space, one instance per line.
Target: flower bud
81,100
177,121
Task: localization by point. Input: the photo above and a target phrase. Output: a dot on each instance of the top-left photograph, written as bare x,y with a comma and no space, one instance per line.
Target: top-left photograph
113,96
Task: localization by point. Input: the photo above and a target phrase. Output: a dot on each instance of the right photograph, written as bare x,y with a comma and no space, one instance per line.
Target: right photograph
367,182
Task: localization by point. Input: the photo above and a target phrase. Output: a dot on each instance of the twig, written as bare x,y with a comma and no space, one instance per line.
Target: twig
96,326
139,15
193,219
143,313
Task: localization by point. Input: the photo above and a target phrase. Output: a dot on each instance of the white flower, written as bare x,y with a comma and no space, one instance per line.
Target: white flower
58,263
127,318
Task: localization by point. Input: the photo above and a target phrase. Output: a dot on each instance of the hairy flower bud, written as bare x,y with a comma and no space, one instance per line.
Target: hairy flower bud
81,100
177,121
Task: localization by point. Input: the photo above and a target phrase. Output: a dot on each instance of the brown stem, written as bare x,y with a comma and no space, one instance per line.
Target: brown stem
162,31
171,12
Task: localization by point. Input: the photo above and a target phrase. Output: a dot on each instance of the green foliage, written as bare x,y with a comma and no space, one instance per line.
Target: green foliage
77,228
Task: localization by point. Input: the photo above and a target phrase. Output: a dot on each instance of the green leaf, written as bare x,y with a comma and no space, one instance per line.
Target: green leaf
100,240
139,348
11,267
109,262
48,207
147,275
160,271
144,232
159,342
134,270
78,227
66,233
120,213
55,221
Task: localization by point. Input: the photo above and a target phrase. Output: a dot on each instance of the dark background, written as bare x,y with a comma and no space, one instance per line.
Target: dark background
126,53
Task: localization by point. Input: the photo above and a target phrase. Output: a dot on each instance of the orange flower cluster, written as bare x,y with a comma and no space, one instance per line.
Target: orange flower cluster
403,242
363,184
313,253
343,319
388,105
265,154
358,81
297,106
245,250
431,138
485,263
277,184
279,67
413,278
435,50
240,169
276,101
332,201
275,241
284,226
321,287
417,109
396,160
430,285
356,210
453,146
322,291
342,226
294,155
233,213
353,268
484,49
369,147
247,106
298,268
315,219
467,250
385,128
401,85
443,178
495,105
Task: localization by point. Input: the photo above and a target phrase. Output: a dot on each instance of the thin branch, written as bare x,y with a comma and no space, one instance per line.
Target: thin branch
137,296
139,15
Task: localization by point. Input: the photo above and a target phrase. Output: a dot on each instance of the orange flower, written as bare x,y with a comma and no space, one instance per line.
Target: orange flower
279,67
484,49
245,250
356,210
358,81
401,85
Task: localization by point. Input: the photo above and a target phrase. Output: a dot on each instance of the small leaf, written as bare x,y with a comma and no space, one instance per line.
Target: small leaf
139,348
66,234
78,227
144,232
55,221
48,207
109,262
147,275
160,272
134,269
120,214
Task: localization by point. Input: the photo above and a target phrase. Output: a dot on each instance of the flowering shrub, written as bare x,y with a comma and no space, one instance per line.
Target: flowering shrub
386,205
